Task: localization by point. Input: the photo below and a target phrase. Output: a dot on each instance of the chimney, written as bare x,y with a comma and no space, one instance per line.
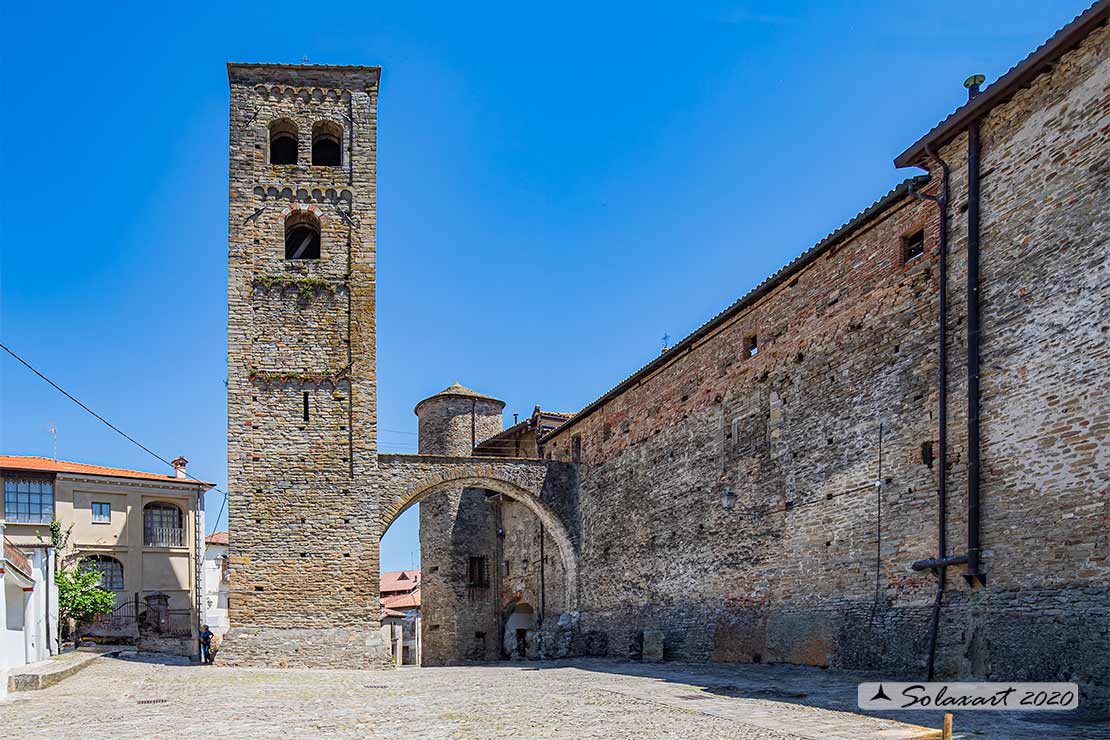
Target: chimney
179,464
972,84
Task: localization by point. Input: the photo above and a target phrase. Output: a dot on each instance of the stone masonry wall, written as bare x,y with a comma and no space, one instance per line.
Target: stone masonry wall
1045,167
460,520
459,622
531,573
802,569
304,532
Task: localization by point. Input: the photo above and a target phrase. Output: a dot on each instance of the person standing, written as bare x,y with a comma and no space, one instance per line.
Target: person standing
206,644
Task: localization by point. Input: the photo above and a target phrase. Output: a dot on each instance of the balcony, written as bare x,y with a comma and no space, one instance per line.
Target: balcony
165,536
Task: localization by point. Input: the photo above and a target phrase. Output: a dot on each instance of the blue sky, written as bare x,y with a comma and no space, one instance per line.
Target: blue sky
557,188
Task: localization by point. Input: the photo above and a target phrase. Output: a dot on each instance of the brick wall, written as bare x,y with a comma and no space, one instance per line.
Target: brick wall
800,569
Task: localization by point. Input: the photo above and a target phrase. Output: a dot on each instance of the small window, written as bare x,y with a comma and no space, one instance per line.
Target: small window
110,570
477,572
576,453
28,500
101,512
326,138
283,142
302,236
913,246
752,346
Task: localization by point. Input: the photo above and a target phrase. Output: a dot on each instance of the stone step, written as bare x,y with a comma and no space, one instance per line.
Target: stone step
46,673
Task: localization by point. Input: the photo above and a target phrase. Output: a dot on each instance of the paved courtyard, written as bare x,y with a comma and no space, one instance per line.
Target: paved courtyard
148,697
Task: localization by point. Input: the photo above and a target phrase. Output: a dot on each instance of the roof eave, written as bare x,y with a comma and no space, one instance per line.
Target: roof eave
1063,41
843,233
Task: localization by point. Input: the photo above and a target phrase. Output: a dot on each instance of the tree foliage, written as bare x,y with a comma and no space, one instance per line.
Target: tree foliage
80,597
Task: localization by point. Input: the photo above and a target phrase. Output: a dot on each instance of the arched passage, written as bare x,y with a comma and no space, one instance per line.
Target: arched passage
554,526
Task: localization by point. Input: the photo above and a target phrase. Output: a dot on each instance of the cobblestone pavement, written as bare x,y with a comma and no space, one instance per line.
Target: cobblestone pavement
148,697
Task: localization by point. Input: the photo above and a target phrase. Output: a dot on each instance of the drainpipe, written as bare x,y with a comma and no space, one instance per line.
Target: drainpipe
543,559
973,573
942,559
971,558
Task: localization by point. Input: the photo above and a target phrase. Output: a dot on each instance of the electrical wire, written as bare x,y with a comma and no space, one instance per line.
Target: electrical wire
104,421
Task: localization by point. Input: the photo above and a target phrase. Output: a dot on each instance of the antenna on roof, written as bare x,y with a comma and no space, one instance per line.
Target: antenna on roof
666,343
54,433
304,59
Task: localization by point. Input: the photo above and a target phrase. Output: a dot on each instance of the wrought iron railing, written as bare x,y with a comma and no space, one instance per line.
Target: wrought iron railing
124,616
165,537
178,623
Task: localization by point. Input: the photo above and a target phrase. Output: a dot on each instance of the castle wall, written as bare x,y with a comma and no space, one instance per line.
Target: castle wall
803,569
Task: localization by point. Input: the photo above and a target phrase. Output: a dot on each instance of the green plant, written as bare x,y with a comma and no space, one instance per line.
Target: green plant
80,597
306,287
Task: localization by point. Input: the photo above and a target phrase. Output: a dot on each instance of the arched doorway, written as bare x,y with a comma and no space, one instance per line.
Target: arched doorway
492,553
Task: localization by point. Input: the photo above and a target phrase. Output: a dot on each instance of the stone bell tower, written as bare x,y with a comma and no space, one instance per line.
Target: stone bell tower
301,366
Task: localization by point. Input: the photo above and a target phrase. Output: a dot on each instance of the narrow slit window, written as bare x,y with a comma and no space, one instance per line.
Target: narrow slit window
306,406
752,346
913,246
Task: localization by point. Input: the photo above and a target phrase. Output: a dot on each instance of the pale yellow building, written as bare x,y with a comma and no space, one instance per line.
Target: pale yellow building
142,531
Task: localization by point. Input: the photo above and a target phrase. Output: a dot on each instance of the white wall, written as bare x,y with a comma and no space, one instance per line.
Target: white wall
214,598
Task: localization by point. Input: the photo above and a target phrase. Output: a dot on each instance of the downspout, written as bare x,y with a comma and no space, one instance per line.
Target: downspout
971,558
543,560
973,573
942,411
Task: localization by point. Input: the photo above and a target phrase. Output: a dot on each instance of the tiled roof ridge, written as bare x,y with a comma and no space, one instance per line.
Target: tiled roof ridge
50,465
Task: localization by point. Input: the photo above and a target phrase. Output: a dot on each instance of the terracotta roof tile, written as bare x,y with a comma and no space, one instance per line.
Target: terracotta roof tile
398,580
217,538
16,558
35,464
403,601
459,391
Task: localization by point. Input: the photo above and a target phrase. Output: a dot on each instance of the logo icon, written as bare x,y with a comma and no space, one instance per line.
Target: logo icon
880,694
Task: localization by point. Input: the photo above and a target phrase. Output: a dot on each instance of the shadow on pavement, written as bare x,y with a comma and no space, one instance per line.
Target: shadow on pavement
155,659
834,689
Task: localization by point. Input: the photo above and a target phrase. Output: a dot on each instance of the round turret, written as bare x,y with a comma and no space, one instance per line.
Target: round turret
455,419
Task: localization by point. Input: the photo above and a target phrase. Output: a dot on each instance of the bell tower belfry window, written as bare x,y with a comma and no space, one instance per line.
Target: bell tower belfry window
302,236
283,142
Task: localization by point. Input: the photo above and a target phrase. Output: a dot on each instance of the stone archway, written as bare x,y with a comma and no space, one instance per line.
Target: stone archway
410,478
